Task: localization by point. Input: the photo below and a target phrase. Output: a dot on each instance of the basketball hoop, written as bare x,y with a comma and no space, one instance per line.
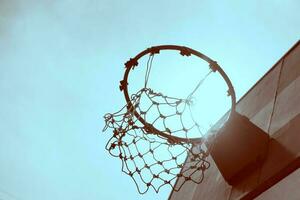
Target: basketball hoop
154,155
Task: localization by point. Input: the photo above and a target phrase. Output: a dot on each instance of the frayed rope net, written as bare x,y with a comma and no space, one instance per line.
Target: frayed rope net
151,159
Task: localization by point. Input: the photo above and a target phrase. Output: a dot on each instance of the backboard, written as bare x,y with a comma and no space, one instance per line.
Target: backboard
272,104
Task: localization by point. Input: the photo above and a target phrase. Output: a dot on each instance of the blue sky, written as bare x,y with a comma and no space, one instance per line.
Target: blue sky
61,63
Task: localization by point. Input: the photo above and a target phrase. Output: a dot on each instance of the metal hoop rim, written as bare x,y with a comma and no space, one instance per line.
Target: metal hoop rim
184,51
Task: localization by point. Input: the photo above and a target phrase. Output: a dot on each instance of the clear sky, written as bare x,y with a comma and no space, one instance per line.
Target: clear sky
61,63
